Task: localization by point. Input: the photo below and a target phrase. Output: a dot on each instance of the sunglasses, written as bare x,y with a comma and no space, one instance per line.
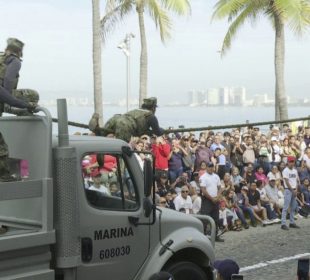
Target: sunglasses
144,138
162,202
184,191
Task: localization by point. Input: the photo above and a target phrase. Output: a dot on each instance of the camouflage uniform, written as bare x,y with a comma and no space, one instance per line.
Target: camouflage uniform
133,123
10,64
4,166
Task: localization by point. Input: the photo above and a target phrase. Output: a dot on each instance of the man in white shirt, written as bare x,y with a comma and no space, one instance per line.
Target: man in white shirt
291,182
183,200
210,186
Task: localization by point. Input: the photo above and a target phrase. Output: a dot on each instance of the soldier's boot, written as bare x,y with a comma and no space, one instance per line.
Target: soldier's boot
1,109
5,174
93,124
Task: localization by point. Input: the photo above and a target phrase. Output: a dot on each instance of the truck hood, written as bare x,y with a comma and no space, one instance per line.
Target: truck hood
172,220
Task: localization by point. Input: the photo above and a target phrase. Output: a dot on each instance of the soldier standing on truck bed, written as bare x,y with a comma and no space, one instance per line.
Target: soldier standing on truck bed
134,123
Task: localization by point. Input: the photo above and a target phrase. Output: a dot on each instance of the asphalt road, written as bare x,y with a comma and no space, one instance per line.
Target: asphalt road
267,253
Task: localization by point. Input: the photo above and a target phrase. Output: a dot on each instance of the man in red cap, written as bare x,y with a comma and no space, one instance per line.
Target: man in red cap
291,183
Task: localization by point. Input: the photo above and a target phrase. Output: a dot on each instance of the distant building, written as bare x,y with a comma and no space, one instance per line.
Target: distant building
260,99
213,96
238,96
224,95
196,97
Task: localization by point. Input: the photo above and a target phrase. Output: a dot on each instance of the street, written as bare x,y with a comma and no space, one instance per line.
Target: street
267,253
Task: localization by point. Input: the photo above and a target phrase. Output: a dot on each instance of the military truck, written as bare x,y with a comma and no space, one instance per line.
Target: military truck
58,227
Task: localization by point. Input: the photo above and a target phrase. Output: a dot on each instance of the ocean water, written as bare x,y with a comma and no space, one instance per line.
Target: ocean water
189,116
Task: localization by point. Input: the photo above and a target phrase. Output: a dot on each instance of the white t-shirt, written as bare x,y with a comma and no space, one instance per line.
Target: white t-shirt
180,202
262,192
305,158
211,182
101,189
292,176
195,185
197,205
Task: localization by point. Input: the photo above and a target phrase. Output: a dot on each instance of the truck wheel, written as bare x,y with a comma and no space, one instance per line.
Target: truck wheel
186,271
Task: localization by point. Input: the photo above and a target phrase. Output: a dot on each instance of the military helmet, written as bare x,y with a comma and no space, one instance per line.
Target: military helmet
15,43
150,102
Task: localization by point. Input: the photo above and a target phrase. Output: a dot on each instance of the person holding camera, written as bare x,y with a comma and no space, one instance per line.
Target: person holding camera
175,162
181,181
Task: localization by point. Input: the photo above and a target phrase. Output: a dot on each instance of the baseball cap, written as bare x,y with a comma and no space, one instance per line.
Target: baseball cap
210,164
245,188
271,176
274,138
291,158
150,102
226,268
96,173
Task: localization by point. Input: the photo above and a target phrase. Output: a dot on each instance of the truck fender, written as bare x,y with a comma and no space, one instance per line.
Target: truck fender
187,244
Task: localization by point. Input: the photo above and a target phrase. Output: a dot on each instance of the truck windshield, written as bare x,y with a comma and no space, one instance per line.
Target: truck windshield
108,183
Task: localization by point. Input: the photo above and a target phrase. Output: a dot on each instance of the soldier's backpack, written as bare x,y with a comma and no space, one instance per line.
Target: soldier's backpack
2,66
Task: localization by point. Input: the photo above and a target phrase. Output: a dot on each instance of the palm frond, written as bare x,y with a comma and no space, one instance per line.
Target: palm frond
160,18
296,13
181,7
230,8
115,13
250,12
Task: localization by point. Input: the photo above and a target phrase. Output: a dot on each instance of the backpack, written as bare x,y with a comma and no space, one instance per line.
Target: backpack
139,116
3,66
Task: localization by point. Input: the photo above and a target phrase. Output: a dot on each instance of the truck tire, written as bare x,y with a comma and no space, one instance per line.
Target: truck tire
186,271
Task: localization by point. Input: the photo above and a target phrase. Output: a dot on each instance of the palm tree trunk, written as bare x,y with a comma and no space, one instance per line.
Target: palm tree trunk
143,56
281,111
97,61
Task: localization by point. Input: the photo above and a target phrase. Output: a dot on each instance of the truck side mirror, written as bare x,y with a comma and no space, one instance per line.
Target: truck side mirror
148,177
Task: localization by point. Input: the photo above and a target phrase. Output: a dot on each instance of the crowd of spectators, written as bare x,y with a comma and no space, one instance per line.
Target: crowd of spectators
238,171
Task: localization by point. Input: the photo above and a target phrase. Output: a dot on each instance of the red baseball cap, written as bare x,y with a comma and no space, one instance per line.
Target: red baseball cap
291,158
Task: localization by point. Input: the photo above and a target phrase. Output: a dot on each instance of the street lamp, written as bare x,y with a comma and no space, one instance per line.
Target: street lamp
125,47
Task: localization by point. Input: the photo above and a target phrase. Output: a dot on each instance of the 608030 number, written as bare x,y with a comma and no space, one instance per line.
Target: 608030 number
114,252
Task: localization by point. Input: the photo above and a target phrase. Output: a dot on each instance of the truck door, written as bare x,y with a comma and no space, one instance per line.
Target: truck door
112,248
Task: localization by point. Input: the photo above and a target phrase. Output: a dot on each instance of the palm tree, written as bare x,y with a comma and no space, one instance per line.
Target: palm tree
292,13
97,60
116,10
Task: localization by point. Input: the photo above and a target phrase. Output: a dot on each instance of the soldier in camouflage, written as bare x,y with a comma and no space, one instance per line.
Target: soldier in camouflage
134,123
10,64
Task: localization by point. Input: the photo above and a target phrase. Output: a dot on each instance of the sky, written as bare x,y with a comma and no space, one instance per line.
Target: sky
58,53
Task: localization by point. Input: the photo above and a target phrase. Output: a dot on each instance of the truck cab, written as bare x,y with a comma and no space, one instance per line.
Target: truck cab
82,207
